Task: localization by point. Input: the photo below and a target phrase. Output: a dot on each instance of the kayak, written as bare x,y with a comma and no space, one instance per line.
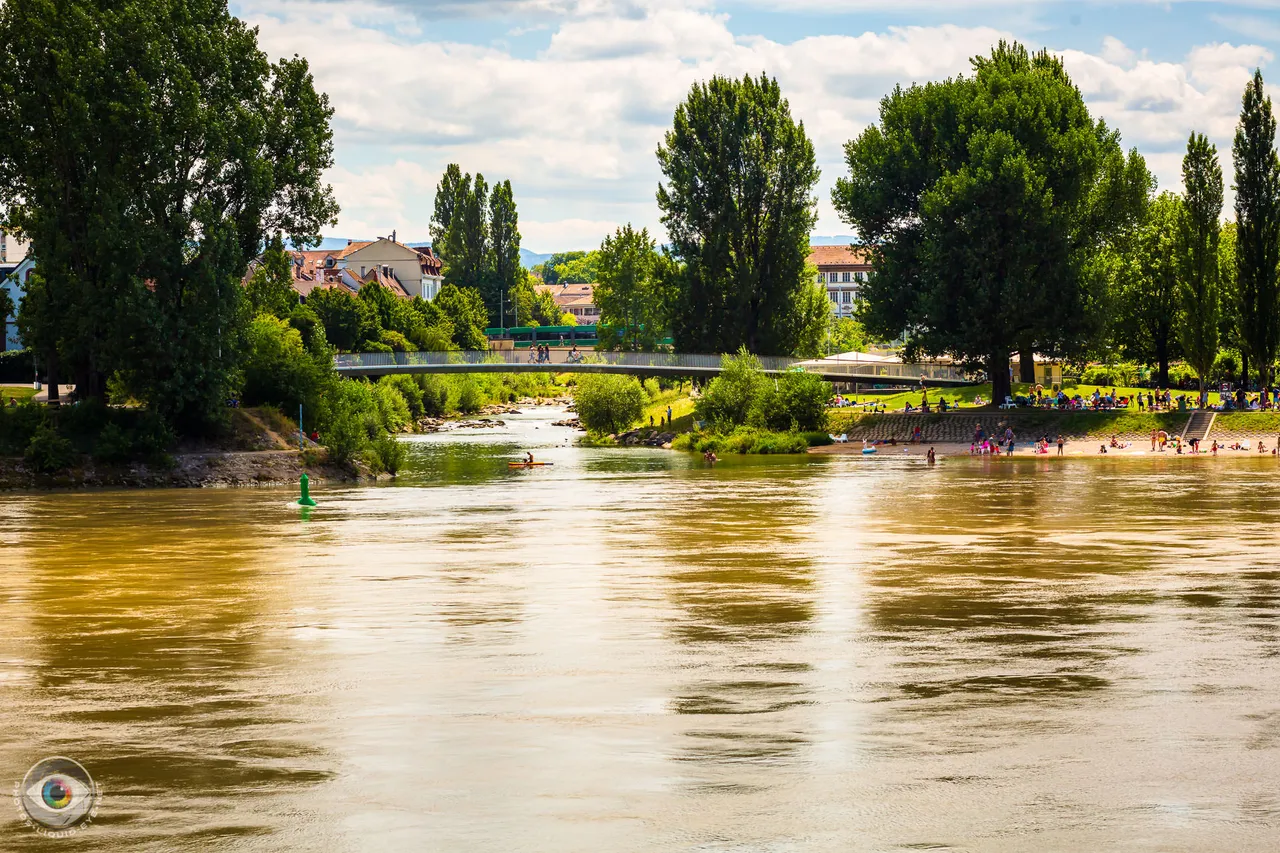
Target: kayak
528,464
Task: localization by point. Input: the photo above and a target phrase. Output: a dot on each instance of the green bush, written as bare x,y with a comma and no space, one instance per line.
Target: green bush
409,390
470,397
1120,374
392,410
17,365
396,341
435,394
349,419
608,403
651,388
387,454
48,452
728,399
744,440
1179,373
278,368
375,346
817,439
18,424
114,444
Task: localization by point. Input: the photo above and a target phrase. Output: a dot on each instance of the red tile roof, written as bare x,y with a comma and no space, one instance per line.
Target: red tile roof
834,256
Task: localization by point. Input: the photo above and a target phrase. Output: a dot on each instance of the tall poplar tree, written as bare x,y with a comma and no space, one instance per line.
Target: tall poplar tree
1257,186
507,273
449,194
738,206
1197,256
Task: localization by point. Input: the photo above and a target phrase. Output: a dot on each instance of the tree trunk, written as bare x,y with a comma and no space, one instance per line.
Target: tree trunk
998,370
1162,361
51,374
1244,369
1026,364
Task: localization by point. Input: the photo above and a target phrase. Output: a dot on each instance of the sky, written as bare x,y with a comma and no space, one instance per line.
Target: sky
569,99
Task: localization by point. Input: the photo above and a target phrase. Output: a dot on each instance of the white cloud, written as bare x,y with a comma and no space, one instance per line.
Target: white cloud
575,128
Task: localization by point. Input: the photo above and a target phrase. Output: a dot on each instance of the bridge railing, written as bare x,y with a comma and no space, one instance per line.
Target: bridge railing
835,366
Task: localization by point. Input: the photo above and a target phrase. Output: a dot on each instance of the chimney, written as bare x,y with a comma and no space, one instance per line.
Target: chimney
393,236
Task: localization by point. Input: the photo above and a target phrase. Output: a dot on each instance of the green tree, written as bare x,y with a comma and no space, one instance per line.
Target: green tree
581,269
1198,255
985,202
728,399
465,311
608,403
6,311
504,244
846,334
270,287
628,292
347,319
147,147
278,369
466,245
738,207
547,270
1257,186
1146,296
449,195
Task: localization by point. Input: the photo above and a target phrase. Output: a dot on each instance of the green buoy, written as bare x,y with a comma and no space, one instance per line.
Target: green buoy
305,500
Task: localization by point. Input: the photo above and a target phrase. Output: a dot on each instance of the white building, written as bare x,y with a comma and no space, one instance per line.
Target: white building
842,270
13,278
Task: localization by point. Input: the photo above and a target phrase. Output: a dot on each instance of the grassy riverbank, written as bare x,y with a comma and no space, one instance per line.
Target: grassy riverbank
965,397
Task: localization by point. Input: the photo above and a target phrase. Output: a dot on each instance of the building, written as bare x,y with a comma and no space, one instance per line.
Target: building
12,248
842,270
13,278
575,299
406,271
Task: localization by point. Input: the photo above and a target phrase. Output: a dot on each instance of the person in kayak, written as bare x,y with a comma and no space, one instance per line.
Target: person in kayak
528,457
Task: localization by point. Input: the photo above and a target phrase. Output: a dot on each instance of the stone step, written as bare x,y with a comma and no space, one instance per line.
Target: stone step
1199,425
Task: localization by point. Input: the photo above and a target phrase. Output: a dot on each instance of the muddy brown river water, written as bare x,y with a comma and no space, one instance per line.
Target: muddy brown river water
630,651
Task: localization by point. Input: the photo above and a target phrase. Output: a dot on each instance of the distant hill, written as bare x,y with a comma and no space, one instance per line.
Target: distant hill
532,259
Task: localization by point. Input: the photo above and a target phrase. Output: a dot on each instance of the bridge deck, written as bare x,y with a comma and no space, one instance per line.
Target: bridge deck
646,364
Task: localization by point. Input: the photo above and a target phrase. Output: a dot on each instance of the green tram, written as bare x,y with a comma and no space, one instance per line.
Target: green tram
528,336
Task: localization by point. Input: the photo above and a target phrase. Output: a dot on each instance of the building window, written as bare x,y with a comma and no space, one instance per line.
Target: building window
831,277
860,276
846,296
846,277
832,294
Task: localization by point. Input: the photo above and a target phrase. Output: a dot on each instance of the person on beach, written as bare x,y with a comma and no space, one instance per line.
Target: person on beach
1213,448
1061,442
1162,439
1154,439
931,456
1102,448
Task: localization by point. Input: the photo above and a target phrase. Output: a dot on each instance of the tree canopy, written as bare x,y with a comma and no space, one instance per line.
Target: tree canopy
1198,229
738,206
629,291
147,148
986,201
1257,240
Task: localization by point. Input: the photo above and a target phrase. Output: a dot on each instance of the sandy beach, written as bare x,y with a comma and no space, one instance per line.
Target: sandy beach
1076,448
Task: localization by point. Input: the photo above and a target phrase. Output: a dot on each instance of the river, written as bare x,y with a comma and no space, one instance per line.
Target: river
630,651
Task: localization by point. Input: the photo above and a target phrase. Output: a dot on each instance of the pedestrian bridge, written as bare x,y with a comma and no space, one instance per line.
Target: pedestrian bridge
833,369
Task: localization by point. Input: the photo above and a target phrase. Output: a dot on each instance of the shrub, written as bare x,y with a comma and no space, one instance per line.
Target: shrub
349,419
409,390
18,424
651,388
1180,373
48,452
608,403
387,454
278,369
817,439
392,410
435,394
375,346
743,440
470,398
1122,373
799,402
17,365
114,444
727,401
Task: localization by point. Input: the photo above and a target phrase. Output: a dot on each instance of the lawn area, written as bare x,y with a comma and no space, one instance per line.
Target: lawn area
965,396
681,410
17,392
